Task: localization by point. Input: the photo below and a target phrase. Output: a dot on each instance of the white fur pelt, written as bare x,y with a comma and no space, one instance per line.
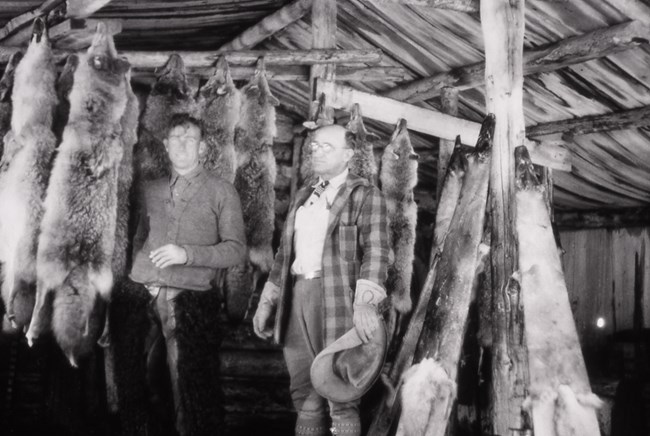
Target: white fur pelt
398,177
563,412
256,169
78,230
6,88
171,94
363,162
219,104
23,184
320,114
424,385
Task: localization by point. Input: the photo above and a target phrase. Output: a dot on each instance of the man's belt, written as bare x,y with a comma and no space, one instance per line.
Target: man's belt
309,276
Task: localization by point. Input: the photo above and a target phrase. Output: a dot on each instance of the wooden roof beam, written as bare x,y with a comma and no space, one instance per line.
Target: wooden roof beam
568,220
454,5
622,120
433,123
271,24
571,51
25,19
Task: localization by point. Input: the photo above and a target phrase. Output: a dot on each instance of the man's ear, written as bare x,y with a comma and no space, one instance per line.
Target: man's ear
349,153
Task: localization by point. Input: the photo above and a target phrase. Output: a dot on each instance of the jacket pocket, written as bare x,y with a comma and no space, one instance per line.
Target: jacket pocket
348,242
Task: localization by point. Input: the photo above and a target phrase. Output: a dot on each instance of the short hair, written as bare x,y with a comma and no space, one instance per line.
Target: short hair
183,118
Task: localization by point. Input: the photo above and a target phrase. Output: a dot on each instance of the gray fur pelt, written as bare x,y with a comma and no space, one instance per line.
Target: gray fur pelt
320,114
219,104
78,230
23,184
398,178
6,88
171,94
363,161
63,88
256,170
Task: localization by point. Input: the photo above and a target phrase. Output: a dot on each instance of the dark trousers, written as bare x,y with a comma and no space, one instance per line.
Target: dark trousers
303,341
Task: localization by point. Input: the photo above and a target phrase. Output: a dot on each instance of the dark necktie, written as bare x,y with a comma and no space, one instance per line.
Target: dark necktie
320,188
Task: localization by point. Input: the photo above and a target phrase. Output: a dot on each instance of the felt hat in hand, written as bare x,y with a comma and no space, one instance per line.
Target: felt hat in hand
346,369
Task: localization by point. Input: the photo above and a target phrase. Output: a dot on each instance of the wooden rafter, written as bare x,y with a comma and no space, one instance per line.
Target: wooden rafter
454,5
602,219
570,51
84,8
622,120
25,19
432,123
323,25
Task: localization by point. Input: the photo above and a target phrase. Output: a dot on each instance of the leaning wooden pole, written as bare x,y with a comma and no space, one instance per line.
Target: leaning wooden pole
503,35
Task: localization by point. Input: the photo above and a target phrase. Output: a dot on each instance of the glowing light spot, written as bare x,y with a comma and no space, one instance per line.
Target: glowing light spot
600,322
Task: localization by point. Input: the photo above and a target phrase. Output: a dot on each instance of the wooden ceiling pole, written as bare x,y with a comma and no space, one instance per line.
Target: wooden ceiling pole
449,106
323,25
454,5
503,35
571,51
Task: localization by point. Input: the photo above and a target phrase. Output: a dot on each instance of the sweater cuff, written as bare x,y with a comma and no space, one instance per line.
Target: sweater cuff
189,253
369,293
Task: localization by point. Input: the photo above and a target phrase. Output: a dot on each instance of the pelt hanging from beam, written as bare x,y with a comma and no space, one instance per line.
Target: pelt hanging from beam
319,115
254,181
399,169
219,104
6,88
30,148
363,161
171,94
78,230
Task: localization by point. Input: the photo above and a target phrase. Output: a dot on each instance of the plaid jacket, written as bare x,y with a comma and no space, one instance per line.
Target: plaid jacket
356,247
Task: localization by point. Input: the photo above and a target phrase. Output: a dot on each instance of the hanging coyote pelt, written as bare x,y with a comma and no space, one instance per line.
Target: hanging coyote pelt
171,94
363,161
399,175
63,88
256,170
78,230
6,88
219,104
23,184
561,399
319,115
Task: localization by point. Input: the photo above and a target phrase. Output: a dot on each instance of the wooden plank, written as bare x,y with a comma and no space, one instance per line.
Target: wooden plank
268,26
430,122
635,217
25,19
570,51
453,5
84,8
449,106
503,22
323,25
621,120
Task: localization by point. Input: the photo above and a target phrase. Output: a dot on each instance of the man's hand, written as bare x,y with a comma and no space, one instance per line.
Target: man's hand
261,321
365,320
168,255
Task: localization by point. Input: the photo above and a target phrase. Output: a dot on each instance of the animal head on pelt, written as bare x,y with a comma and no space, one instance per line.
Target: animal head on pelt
99,91
399,163
257,108
33,96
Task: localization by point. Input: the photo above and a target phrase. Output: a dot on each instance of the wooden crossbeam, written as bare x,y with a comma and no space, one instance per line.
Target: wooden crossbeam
437,124
23,20
622,120
570,51
566,220
268,26
454,5
84,8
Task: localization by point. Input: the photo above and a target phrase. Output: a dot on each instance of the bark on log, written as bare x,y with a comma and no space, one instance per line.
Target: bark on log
571,51
323,25
449,105
557,368
503,33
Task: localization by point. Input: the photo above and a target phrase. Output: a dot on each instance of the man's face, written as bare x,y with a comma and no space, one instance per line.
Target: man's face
330,154
184,146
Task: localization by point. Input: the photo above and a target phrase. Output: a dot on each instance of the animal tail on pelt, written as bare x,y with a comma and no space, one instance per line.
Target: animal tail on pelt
77,315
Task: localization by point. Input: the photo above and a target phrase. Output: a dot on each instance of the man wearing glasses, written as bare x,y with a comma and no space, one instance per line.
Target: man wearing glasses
328,276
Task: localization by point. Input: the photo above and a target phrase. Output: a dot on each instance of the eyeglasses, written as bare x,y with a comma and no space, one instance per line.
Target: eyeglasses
325,147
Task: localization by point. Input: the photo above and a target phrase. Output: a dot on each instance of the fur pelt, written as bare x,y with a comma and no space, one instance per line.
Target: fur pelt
423,385
398,178
23,184
6,88
256,170
171,94
563,412
63,88
320,114
219,104
78,230
363,161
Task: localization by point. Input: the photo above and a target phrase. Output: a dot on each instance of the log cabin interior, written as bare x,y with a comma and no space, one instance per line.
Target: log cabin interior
567,79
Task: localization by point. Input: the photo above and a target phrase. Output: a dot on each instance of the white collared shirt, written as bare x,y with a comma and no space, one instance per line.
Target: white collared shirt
310,227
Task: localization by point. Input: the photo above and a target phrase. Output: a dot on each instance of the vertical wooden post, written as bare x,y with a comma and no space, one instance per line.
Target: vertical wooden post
449,104
503,35
323,25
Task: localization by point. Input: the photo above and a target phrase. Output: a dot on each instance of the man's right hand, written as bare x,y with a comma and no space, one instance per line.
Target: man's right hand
261,321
